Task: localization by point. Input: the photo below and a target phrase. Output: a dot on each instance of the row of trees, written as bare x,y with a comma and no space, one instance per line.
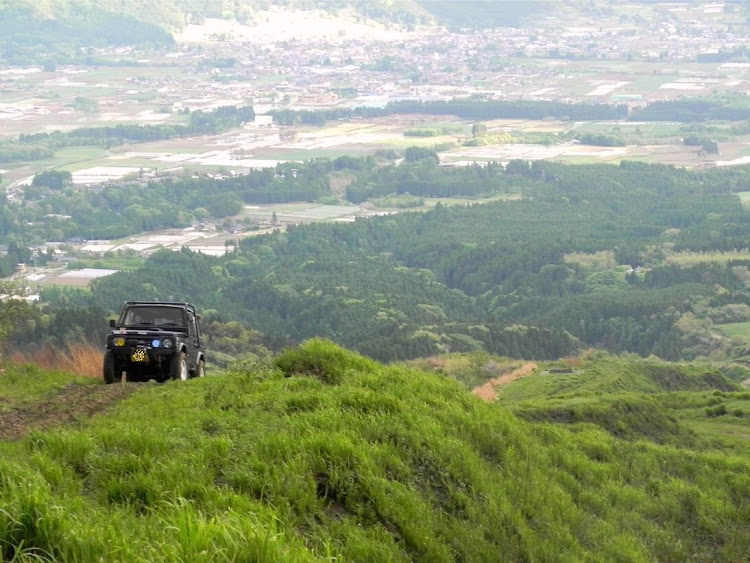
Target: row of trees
732,108
464,108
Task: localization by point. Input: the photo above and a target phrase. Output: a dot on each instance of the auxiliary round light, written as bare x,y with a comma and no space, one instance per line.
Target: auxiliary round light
120,341
156,343
167,343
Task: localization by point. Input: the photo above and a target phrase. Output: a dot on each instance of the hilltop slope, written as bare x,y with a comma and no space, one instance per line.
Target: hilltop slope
333,455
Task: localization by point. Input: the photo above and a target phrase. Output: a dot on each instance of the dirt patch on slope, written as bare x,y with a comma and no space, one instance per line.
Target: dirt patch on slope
72,403
487,391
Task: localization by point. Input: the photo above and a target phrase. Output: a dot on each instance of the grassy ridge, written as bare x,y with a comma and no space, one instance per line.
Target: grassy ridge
330,455
605,374
592,374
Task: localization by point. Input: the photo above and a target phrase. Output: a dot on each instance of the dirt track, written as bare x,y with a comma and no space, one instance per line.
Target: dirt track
487,392
65,407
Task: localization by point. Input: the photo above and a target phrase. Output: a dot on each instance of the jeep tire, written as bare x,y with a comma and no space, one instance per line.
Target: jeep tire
109,369
201,369
178,368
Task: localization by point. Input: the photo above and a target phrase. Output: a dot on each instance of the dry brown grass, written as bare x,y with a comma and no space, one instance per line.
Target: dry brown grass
81,359
572,361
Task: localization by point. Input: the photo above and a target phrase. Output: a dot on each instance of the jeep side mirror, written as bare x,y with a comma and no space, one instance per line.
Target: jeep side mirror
112,323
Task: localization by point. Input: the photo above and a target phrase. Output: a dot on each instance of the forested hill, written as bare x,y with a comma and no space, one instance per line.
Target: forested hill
52,32
57,30
641,258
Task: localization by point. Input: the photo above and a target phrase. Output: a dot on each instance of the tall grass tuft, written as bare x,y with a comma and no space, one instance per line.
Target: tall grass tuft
80,358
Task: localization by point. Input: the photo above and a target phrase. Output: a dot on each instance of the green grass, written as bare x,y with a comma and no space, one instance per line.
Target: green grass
135,162
26,383
126,262
744,197
332,456
71,159
626,416
603,374
735,330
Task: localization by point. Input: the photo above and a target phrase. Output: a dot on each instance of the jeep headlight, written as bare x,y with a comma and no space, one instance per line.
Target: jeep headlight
167,343
119,341
155,343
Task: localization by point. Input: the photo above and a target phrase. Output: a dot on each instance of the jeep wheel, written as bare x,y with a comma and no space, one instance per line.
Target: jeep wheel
178,368
109,369
201,371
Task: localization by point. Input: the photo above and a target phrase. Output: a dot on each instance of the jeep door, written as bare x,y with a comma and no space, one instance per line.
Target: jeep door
194,340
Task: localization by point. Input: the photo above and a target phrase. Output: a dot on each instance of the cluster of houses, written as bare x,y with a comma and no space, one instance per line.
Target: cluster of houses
428,64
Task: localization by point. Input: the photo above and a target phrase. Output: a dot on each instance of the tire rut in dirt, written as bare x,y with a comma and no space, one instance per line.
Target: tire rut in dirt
67,406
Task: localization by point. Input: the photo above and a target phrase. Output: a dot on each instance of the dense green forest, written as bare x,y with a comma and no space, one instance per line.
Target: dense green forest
636,257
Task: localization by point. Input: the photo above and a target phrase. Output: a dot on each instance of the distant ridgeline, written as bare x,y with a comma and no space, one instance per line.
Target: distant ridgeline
634,257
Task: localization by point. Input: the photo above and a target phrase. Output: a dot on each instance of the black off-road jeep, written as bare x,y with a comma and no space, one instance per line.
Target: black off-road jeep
155,340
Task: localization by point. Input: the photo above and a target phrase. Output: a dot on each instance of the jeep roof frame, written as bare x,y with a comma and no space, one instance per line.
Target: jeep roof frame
173,303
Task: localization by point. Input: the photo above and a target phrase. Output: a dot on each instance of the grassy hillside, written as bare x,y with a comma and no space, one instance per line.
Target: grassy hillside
692,405
600,374
331,455
591,374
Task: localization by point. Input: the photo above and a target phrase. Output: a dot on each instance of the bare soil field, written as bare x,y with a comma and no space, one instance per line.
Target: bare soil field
67,406
488,393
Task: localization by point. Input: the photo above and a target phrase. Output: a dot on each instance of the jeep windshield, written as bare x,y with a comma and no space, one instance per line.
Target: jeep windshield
145,316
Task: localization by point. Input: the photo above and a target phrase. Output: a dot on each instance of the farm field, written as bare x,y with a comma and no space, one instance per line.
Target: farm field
262,147
744,198
158,89
735,330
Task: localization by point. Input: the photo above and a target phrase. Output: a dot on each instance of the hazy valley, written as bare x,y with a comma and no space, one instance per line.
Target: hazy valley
474,279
